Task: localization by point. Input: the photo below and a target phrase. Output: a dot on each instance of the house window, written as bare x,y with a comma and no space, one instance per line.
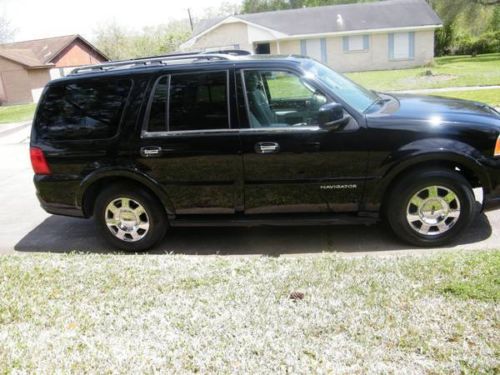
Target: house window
402,46
263,49
315,48
356,43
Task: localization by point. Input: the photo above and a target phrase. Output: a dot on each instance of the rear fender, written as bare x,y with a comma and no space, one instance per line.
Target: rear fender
124,173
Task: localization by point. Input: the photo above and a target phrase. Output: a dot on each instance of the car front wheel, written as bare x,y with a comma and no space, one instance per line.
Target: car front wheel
430,207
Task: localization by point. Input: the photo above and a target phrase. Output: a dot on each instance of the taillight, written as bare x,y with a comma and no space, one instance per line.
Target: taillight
497,147
38,161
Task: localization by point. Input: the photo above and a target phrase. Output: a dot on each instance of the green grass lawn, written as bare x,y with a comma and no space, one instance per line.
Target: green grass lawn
17,113
84,313
449,71
490,96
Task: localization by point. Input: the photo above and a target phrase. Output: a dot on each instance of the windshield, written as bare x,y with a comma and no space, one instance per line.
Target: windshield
352,93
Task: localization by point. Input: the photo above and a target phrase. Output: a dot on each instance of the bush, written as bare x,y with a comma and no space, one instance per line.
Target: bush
486,43
444,39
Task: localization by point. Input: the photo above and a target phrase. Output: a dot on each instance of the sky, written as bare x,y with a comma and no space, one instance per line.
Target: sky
34,19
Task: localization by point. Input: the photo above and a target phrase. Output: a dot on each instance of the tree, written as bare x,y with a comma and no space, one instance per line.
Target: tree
495,19
254,6
468,16
226,8
486,2
7,32
114,41
118,42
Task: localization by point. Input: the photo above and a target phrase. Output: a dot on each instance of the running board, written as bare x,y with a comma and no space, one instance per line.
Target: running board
268,220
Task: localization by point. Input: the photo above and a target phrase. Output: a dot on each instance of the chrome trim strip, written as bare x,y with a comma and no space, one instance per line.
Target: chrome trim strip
232,131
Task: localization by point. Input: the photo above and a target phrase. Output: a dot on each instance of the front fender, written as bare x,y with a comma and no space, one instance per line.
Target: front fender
420,153
131,174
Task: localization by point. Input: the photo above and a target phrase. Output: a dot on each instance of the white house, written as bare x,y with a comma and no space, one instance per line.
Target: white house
351,37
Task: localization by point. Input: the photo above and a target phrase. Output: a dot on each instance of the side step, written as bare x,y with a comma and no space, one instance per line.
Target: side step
268,220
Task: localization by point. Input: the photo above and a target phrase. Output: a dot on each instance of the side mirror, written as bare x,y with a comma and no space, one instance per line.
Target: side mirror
331,117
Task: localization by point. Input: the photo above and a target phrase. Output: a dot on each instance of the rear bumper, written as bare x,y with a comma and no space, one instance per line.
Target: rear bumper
59,209
57,196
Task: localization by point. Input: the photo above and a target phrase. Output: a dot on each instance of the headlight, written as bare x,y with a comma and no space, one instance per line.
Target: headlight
497,147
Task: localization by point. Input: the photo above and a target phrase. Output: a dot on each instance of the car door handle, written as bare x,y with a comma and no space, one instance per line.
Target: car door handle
151,151
266,147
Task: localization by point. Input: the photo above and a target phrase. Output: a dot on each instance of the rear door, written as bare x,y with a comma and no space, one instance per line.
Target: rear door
291,165
188,144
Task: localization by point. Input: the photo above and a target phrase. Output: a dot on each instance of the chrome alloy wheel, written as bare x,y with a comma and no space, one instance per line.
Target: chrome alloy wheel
433,210
127,219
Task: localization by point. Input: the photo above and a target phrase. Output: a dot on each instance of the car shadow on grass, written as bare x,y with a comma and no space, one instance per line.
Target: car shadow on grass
61,235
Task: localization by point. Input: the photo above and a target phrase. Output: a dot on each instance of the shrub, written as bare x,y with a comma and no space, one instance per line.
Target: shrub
486,43
444,39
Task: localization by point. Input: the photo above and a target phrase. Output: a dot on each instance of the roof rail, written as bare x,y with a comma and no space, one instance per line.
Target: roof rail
232,52
158,60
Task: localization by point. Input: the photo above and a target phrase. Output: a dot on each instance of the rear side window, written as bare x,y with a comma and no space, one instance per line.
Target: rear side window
190,102
82,110
158,109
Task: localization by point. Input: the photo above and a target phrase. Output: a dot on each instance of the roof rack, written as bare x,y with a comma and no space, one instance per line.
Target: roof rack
232,52
159,60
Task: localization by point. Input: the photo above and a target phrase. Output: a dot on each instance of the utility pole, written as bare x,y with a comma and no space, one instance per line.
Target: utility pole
190,19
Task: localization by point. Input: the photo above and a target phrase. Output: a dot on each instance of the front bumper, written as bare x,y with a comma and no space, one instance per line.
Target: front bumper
490,204
491,200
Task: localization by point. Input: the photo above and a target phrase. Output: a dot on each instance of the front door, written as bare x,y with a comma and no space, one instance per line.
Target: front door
291,165
187,143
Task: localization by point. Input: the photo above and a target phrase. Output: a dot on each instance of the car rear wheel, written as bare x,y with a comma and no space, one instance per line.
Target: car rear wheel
129,218
430,207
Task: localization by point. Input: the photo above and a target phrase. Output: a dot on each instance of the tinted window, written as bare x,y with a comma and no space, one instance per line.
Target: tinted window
283,85
82,110
281,99
352,93
158,111
198,102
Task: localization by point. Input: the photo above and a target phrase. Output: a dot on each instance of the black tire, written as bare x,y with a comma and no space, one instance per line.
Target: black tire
398,206
155,217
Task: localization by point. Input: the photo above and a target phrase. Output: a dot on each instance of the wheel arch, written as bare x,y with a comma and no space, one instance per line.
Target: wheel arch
94,183
466,165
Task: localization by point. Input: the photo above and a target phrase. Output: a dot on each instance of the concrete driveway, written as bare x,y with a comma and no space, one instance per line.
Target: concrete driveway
25,227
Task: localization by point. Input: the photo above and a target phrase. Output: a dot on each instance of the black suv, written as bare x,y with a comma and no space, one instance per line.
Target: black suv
218,139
